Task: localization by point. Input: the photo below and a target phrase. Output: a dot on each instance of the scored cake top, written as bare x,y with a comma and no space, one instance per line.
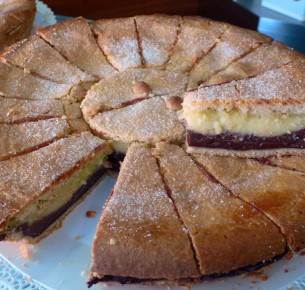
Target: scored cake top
74,84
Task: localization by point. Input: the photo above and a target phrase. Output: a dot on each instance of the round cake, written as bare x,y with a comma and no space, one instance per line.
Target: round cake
77,98
16,20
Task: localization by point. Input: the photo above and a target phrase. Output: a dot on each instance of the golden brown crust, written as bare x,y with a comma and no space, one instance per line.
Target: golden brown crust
118,40
23,138
281,89
157,36
196,38
49,165
293,162
75,41
277,192
148,121
234,44
14,80
19,111
117,91
221,226
264,58
37,56
139,227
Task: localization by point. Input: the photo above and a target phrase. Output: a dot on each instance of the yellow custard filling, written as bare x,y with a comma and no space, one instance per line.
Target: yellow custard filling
215,122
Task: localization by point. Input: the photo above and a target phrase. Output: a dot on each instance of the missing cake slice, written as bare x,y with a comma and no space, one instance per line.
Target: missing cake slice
257,116
39,188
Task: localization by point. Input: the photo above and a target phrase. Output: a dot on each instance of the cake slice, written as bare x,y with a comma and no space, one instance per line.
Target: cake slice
23,138
292,162
37,56
157,35
75,41
118,40
148,121
20,84
62,172
14,111
196,38
258,116
140,238
221,226
235,43
131,86
264,58
277,192
16,20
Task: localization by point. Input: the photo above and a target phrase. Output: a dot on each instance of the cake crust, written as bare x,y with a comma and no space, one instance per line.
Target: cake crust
138,221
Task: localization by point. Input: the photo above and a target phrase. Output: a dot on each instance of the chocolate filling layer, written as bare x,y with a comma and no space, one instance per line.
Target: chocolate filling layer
235,141
184,281
38,227
35,229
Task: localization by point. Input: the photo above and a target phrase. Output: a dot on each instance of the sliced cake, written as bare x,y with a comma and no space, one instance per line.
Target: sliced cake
23,138
38,188
293,162
131,86
258,116
148,121
234,43
14,111
75,41
221,226
20,84
37,56
196,38
140,238
158,35
119,41
278,193
264,58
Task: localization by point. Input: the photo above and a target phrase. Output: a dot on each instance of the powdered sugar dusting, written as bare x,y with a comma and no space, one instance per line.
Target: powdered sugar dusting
29,136
45,165
146,121
13,82
15,110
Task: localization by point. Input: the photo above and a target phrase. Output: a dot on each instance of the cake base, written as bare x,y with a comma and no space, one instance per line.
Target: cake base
107,279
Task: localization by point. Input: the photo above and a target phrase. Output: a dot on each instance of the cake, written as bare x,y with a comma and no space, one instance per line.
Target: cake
16,20
206,189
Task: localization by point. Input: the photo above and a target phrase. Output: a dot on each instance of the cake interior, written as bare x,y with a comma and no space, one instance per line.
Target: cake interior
237,130
36,217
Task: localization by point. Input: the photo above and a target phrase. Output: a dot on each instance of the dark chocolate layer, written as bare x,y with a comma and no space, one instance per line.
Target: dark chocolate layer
184,281
234,141
116,159
38,227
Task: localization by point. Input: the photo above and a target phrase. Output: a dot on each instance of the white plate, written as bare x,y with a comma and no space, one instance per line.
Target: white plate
62,261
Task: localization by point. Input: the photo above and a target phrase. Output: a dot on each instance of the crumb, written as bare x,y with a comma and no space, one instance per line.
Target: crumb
292,288
112,242
302,253
77,238
24,265
29,278
264,278
286,271
90,214
25,252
